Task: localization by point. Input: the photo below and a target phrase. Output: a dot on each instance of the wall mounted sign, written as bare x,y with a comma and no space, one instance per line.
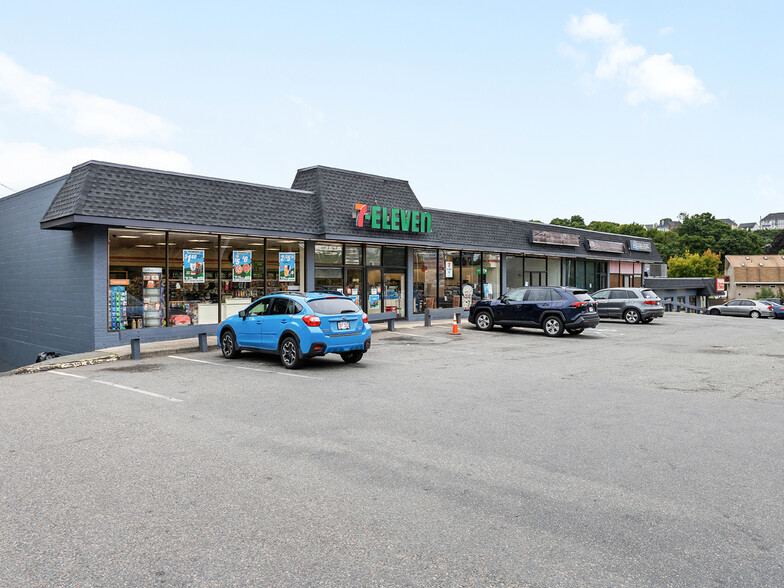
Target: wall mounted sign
551,238
241,264
608,246
193,266
392,219
639,245
287,267
719,284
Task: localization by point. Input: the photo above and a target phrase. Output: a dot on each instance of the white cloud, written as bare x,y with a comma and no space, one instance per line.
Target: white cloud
117,132
664,31
649,78
24,164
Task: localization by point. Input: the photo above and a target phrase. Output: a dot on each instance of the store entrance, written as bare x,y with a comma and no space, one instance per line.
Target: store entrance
386,291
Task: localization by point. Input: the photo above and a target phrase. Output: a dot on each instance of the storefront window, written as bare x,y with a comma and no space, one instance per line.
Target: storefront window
449,279
285,265
329,254
373,255
353,255
134,255
514,272
242,273
491,275
470,276
424,279
329,279
554,271
535,271
395,256
193,280
395,292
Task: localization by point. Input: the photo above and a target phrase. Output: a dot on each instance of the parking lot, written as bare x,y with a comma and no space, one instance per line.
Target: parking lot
629,455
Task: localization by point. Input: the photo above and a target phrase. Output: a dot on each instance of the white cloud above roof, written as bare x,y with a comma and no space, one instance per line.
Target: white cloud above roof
648,77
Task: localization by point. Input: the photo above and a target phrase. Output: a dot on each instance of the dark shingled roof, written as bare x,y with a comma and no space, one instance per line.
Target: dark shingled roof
320,204
105,190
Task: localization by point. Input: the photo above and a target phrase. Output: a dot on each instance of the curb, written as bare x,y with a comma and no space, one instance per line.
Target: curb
35,368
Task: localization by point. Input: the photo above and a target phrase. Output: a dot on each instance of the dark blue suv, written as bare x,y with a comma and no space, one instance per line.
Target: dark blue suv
551,309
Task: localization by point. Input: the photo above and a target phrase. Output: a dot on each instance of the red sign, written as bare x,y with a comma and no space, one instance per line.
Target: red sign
719,284
119,282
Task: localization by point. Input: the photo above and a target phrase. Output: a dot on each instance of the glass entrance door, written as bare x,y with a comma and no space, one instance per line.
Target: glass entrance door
395,293
375,294
354,285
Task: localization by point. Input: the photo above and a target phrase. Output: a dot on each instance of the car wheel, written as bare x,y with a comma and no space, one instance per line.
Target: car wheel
553,326
575,331
631,316
352,356
289,353
229,345
484,321
715,311
754,314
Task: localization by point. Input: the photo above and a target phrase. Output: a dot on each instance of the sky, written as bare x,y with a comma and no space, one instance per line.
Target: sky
619,111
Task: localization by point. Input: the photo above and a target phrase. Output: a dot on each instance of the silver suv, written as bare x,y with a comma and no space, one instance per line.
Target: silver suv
634,305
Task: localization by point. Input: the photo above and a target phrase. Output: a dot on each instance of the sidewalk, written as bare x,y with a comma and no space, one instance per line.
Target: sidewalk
156,348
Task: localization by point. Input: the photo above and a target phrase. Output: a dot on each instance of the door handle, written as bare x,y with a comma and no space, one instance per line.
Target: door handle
284,321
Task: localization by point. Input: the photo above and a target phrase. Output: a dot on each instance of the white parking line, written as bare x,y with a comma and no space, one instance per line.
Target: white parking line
240,367
120,386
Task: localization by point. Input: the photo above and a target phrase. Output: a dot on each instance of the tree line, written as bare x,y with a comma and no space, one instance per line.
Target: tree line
695,248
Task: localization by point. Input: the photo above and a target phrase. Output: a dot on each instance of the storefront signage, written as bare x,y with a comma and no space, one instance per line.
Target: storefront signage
193,266
551,238
287,267
449,269
719,284
609,246
392,219
639,245
242,264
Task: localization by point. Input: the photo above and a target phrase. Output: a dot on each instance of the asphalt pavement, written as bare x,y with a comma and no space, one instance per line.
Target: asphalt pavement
630,455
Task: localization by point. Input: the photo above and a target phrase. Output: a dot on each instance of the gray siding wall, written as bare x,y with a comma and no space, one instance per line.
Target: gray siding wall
47,285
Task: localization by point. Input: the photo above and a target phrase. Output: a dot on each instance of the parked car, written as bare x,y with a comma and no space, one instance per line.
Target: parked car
298,326
551,309
750,308
634,305
776,307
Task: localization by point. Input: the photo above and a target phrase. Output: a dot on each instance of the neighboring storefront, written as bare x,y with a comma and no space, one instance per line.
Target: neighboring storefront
137,248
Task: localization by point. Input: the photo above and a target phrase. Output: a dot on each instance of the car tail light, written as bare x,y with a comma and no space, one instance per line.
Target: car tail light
770,308
311,321
364,317
651,302
579,304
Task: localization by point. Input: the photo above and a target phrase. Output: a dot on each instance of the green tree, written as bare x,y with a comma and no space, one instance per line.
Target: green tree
764,292
575,221
634,229
693,265
604,226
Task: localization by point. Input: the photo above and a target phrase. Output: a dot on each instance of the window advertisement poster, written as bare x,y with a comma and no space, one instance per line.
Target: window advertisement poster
374,302
193,266
242,262
450,269
287,263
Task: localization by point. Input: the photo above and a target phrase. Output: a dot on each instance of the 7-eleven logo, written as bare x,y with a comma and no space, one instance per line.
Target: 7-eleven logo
361,212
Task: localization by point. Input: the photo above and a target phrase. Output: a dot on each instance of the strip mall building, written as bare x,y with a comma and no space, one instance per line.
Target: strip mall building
110,247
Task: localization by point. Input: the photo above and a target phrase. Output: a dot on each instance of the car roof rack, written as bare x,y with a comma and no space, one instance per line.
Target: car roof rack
289,292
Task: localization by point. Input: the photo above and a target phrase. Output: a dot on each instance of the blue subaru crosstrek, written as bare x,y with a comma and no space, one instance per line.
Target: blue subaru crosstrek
298,326
552,309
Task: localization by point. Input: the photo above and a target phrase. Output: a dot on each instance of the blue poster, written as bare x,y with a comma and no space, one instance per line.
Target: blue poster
287,263
241,264
374,302
193,266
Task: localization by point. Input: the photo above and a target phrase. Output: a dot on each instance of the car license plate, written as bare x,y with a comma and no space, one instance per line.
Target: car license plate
343,326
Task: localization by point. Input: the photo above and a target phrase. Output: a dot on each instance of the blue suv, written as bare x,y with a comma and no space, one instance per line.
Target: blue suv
298,326
549,308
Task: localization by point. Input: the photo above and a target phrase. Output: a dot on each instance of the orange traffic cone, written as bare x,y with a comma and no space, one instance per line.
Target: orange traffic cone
454,325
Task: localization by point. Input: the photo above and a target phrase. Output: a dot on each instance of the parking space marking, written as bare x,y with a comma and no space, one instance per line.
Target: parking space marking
240,367
120,386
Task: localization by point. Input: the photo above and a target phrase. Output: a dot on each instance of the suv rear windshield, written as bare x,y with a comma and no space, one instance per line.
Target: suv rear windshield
581,295
649,294
333,306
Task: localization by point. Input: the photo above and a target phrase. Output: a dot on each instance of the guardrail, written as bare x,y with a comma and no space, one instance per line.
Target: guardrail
673,306
149,334
388,317
443,313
